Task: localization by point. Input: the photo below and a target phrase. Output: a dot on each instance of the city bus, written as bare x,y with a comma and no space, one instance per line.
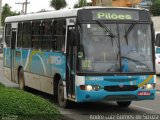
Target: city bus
87,54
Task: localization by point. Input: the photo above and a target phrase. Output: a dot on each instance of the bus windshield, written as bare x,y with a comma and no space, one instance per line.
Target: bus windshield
114,47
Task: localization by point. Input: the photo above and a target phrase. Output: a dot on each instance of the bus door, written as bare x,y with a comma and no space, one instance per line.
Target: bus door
13,43
71,50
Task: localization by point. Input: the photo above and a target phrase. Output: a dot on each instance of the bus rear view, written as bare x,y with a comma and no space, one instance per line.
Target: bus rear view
115,56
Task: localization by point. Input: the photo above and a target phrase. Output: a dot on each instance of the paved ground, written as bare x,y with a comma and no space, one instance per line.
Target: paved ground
5,81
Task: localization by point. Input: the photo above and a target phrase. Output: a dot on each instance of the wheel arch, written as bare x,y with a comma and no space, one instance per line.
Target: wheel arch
20,67
56,79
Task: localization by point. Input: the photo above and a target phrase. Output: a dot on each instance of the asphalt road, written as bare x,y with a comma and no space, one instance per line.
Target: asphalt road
106,110
109,110
85,111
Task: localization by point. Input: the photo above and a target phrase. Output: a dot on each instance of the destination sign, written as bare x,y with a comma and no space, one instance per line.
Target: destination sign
115,15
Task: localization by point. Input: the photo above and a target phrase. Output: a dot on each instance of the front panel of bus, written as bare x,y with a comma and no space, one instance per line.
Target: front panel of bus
115,55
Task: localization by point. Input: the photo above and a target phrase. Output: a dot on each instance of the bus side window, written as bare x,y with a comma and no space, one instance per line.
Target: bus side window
46,31
59,32
158,40
8,35
26,41
35,37
19,36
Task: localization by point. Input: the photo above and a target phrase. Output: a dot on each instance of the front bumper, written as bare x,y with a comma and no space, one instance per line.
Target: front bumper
94,96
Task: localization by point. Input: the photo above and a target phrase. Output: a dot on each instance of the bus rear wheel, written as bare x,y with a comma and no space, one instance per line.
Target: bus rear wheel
61,100
123,103
21,79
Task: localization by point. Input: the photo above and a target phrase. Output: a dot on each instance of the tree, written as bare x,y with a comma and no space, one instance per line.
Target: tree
81,3
58,4
6,11
155,8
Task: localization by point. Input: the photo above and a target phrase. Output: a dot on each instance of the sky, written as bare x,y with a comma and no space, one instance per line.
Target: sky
35,5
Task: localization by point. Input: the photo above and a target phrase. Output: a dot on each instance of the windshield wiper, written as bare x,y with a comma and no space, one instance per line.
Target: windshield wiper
128,31
106,29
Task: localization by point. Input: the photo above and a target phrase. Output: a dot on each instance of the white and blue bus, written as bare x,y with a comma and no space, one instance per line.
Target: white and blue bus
83,55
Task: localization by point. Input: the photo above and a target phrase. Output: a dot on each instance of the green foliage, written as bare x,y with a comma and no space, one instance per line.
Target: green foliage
1,85
58,4
6,11
16,103
155,8
81,3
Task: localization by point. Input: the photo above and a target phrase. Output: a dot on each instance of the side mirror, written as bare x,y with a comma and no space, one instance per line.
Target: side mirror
157,39
80,51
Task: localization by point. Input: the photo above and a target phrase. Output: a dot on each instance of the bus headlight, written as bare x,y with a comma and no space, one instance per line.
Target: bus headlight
90,87
148,86
96,87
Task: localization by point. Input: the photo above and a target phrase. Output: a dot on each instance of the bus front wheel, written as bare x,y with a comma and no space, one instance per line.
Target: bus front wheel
21,79
61,100
123,103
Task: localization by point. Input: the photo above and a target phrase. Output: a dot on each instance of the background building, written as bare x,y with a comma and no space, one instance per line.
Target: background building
145,4
118,3
156,23
102,2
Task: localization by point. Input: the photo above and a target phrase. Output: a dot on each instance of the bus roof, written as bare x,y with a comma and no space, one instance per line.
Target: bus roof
55,14
43,15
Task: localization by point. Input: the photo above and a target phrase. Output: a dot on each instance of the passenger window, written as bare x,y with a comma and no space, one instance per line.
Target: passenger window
35,37
59,32
19,36
47,36
8,35
26,39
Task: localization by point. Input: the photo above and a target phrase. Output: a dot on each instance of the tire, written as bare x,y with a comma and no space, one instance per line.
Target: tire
123,103
61,100
21,79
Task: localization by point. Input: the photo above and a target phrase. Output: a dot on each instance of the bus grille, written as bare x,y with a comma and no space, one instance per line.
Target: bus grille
120,97
121,88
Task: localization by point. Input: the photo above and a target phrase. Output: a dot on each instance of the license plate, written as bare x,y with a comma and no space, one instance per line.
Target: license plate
144,93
